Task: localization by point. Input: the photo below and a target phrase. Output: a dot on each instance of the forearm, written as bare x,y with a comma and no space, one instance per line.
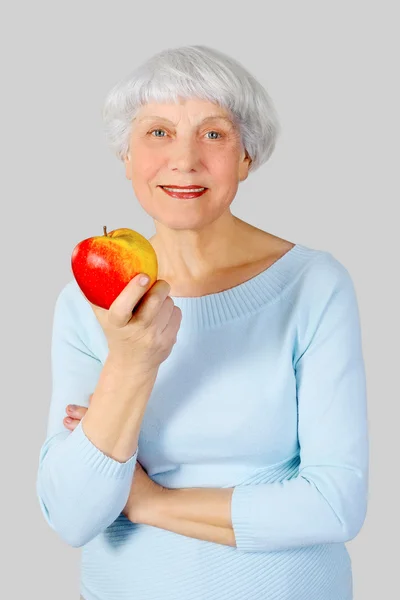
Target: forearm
114,416
201,513
211,506
200,531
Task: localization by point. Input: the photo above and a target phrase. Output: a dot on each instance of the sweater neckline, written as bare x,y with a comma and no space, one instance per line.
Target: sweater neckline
202,312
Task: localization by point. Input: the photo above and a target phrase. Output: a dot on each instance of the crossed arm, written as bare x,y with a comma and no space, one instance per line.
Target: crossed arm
324,503
202,513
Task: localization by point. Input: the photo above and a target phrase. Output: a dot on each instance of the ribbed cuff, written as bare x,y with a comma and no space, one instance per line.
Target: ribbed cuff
244,519
87,452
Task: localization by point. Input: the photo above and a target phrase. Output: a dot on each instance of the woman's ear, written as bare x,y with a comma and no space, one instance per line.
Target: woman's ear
127,161
244,166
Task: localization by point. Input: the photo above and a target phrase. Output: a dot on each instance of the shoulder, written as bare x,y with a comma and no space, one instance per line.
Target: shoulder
322,274
72,307
320,282
72,297
324,300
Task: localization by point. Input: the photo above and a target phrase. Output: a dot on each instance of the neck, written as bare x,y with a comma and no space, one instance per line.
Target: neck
193,255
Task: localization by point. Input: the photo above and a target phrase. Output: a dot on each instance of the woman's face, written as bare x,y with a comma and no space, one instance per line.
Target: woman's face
191,143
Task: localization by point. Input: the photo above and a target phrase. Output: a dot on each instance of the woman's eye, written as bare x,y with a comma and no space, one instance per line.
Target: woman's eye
162,130
157,130
214,132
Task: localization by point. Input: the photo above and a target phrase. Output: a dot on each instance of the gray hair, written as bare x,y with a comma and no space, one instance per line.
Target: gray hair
195,71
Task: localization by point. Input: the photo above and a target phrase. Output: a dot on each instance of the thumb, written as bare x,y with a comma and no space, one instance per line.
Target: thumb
121,310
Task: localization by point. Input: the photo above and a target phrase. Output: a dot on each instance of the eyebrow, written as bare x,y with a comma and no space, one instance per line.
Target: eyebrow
209,118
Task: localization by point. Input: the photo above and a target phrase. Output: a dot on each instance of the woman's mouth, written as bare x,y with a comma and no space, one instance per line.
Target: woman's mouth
184,193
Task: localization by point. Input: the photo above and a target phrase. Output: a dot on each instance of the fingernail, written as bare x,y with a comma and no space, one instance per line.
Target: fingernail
68,420
144,280
72,407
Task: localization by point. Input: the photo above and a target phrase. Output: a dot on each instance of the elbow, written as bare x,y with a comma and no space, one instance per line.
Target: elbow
352,525
58,520
70,535
78,535
79,527
355,515
79,499
347,514
75,539
72,531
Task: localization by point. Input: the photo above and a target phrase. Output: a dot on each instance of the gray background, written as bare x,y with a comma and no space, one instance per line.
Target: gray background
332,184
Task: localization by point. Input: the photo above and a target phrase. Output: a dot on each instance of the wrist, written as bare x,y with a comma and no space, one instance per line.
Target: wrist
156,510
128,368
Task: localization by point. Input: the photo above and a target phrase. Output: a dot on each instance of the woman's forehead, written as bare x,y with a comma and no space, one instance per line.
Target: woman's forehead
198,110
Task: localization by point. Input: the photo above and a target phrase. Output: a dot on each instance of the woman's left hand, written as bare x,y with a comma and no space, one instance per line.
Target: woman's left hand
144,497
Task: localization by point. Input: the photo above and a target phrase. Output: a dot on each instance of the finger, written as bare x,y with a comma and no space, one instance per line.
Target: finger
157,301
98,310
71,423
168,316
101,314
77,412
71,408
120,312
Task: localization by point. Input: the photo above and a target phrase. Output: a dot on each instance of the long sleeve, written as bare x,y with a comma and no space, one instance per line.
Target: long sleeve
81,490
327,501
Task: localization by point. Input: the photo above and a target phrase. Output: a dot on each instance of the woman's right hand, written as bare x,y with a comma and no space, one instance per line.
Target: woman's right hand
144,338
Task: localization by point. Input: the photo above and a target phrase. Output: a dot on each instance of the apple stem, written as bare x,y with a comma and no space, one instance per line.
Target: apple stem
105,229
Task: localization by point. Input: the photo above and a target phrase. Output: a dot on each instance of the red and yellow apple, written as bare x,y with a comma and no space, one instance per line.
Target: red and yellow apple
104,264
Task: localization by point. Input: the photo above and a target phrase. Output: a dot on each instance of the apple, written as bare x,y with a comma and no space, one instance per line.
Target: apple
104,264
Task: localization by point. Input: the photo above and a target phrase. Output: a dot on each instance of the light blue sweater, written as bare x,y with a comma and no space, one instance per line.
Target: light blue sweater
264,391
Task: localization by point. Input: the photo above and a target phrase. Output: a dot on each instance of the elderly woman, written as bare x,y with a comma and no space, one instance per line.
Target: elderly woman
218,446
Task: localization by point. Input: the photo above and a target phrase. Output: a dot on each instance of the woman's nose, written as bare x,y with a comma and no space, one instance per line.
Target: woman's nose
184,155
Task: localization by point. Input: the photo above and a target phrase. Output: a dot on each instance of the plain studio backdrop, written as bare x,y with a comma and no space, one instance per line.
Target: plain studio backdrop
331,69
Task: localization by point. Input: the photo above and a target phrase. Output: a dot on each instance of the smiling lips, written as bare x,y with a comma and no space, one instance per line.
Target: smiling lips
195,191
183,187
